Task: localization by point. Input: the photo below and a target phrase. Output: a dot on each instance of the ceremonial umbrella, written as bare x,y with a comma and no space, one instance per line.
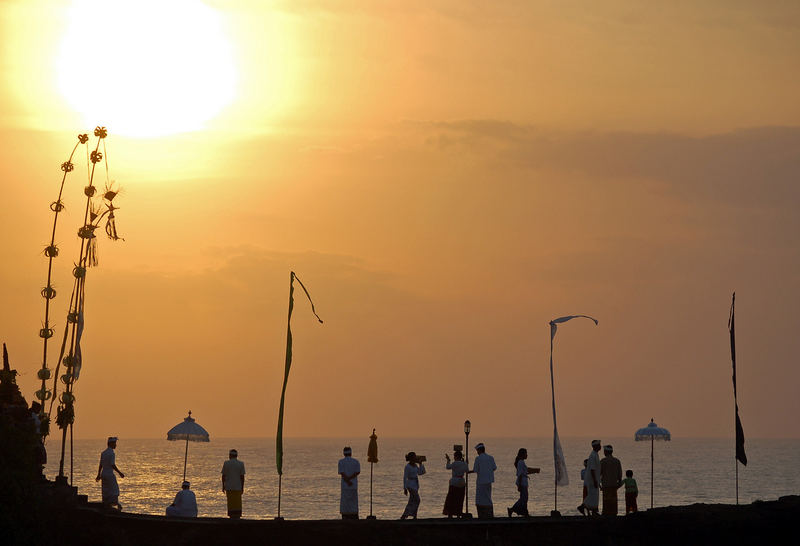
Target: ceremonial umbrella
187,430
372,457
652,432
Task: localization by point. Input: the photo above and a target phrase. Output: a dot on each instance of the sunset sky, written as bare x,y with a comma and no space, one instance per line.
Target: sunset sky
445,176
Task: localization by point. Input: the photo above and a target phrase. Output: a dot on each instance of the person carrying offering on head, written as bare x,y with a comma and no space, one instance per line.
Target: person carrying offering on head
413,470
454,502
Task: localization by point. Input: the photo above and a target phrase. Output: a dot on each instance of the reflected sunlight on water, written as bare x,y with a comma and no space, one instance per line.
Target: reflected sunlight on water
686,471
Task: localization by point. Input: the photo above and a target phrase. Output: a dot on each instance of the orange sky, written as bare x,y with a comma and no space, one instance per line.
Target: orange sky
445,177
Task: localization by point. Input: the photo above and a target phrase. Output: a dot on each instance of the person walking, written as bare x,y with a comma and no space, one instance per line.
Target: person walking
185,503
484,466
349,469
233,483
521,506
105,472
631,493
414,469
610,480
454,502
592,481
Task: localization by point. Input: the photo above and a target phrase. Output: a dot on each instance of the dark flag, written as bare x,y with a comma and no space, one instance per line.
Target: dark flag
279,435
740,454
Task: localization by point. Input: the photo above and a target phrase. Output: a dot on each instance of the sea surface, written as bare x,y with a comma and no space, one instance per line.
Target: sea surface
687,471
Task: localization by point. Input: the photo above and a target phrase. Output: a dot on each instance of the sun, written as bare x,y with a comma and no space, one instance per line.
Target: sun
146,68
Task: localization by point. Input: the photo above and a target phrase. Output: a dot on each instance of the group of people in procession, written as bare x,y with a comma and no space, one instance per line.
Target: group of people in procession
598,475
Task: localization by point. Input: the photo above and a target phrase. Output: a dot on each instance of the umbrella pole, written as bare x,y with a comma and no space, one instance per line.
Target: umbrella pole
185,456
651,471
370,488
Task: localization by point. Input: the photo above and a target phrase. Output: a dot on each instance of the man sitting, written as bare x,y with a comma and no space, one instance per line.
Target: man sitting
185,503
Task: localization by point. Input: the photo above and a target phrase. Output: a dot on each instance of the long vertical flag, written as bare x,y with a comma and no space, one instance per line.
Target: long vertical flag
279,436
558,454
740,454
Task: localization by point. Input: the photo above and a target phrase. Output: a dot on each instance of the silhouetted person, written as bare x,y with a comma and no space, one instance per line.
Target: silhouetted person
631,493
411,474
582,506
233,483
185,503
105,472
521,506
610,480
454,502
592,481
349,469
484,466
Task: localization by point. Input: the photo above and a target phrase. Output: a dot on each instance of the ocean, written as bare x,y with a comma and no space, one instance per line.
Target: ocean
687,471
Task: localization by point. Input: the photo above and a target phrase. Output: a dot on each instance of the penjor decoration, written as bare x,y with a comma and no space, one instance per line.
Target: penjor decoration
99,207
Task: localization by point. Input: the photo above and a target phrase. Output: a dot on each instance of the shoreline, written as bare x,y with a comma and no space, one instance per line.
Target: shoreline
80,522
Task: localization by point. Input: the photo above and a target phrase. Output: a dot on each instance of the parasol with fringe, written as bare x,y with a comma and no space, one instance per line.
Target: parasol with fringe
189,431
652,432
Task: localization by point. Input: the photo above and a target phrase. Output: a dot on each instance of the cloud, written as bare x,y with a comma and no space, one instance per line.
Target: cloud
753,166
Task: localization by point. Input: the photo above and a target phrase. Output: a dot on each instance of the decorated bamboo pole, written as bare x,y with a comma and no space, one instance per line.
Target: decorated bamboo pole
49,293
70,355
287,368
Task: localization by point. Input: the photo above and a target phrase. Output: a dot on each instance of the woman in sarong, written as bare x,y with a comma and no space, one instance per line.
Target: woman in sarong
454,503
411,474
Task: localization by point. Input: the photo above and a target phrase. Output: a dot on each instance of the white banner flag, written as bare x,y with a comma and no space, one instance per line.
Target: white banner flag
558,454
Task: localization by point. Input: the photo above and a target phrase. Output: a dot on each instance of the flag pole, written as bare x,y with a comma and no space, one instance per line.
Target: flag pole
280,477
740,455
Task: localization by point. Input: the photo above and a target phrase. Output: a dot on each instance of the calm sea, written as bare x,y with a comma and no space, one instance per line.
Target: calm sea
686,471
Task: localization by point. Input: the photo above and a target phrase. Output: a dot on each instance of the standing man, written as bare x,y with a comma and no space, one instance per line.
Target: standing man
349,469
233,483
592,481
484,467
105,472
610,480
